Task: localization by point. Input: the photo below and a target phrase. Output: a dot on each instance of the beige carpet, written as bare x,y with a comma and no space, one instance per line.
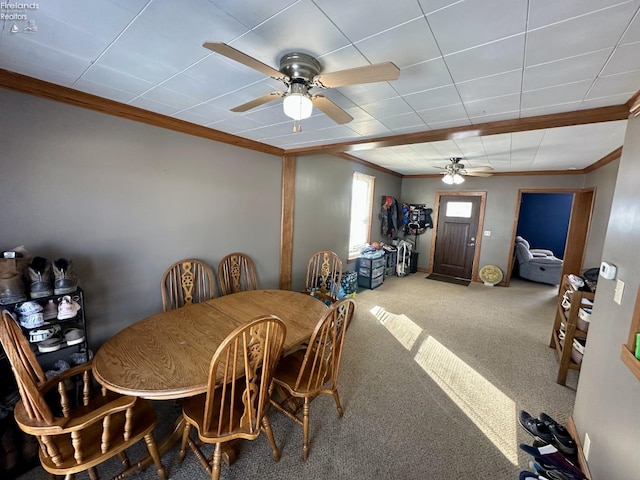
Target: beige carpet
432,379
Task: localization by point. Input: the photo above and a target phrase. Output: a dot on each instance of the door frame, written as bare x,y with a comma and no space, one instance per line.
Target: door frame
577,230
476,254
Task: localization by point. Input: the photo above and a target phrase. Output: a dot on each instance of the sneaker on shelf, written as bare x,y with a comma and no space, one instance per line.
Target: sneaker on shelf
27,308
68,308
41,278
65,279
40,334
73,335
33,320
51,344
50,311
78,358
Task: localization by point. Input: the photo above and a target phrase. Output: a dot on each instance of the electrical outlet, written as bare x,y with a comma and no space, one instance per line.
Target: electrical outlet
487,233
618,291
586,447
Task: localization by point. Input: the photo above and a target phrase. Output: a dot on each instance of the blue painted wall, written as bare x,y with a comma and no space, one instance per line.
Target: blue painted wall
544,220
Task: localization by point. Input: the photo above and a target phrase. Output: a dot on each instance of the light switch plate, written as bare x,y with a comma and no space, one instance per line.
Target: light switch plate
618,291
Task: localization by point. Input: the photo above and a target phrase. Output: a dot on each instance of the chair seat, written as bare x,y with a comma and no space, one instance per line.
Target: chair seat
144,420
287,373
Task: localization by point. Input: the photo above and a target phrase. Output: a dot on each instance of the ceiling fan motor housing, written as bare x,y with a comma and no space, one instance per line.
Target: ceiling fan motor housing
299,66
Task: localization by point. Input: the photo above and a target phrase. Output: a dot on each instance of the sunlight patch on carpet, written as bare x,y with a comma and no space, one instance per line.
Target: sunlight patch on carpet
400,326
491,410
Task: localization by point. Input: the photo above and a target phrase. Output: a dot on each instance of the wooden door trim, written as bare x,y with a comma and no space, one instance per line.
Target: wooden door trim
572,219
476,254
286,220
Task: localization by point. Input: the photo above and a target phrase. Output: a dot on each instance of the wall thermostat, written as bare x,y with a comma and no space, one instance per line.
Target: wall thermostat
608,271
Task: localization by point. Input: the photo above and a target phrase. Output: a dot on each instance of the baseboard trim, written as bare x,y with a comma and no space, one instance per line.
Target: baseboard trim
582,461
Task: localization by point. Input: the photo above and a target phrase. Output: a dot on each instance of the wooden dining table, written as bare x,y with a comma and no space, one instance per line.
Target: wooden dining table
167,355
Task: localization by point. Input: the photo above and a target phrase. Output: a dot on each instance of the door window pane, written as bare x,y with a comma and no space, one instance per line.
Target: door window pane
459,209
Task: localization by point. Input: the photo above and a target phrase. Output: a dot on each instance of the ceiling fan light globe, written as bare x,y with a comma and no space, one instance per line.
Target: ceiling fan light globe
457,178
448,179
297,106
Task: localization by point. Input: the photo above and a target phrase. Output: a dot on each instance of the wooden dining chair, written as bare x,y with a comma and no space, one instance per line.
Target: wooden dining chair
185,282
324,273
237,398
305,374
77,428
236,273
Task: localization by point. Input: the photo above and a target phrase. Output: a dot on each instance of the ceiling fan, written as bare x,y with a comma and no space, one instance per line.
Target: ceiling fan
455,171
300,73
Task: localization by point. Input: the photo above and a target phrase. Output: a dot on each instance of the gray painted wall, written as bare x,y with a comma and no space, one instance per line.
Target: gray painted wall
604,181
502,198
124,200
608,394
322,208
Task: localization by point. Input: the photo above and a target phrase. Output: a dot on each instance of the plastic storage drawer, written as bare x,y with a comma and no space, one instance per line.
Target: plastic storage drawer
371,262
368,282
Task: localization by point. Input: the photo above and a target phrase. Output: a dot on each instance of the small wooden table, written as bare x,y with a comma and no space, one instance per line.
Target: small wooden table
167,356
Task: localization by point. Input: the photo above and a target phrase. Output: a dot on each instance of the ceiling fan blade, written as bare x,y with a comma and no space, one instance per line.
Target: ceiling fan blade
330,109
256,102
482,168
243,58
379,72
477,174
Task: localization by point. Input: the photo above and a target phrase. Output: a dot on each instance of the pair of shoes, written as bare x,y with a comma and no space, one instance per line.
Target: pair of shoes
551,456
548,471
561,437
68,308
535,427
73,335
549,431
51,279
50,310
30,314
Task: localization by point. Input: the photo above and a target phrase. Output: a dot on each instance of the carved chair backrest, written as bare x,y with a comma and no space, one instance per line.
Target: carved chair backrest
236,273
324,273
185,282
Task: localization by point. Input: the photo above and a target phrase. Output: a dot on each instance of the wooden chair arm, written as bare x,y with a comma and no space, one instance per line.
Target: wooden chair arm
69,424
72,372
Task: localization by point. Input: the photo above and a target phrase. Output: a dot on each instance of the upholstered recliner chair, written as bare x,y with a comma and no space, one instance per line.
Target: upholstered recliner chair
537,265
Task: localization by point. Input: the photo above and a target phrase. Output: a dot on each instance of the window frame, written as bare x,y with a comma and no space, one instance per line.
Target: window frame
354,249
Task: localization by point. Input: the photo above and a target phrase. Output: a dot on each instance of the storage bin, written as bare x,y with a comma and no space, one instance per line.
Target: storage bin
371,262
368,282
578,350
583,320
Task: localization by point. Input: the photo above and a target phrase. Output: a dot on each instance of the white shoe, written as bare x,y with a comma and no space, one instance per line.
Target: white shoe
68,308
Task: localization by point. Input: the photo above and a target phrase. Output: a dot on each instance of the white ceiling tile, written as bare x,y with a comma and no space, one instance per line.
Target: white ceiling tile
342,59
391,45
224,75
369,127
615,84
252,12
624,59
104,91
426,151
497,57
191,117
244,94
437,97
472,150
108,77
368,93
494,118
302,27
493,86
387,107
571,92
566,70
550,109
633,32
153,106
357,20
545,12
444,114
497,145
588,33
605,101
449,124
471,24
423,76
358,114
404,121
447,148
170,97
197,89
492,106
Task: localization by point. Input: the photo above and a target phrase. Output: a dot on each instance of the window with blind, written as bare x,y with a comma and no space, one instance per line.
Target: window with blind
361,212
